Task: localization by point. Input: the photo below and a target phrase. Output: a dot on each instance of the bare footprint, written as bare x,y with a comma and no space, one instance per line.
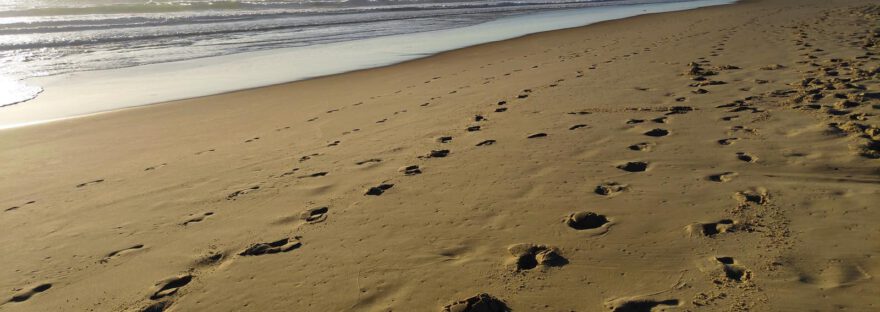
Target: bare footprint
610,188
634,166
411,170
585,220
727,141
372,160
170,286
530,256
27,294
197,218
710,229
479,303
90,182
657,132
642,147
283,245
378,190
723,177
639,305
117,253
537,135
236,194
315,215
746,157
733,270
486,143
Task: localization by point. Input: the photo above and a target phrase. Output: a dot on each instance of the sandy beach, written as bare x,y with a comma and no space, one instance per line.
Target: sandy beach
717,159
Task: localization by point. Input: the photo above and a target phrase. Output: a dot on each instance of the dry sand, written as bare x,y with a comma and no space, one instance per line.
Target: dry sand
721,159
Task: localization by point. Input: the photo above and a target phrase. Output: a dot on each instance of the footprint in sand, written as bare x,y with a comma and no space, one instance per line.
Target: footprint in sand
634,166
679,110
170,286
314,175
486,143
90,182
610,188
727,141
236,194
315,215
24,295
710,229
473,128
437,154
444,139
411,170
634,121
585,220
661,120
757,196
733,270
537,135
479,303
746,157
578,126
530,256
281,245
155,167
723,177
17,207
501,109
197,219
642,147
120,252
378,190
657,132
639,305
252,139
372,160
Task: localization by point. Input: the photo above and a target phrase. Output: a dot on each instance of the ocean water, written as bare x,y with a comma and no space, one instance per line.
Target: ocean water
62,40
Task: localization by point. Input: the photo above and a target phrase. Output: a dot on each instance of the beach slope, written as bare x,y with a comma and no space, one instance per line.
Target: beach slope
718,159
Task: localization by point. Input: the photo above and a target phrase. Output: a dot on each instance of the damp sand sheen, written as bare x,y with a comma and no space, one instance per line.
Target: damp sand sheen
717,159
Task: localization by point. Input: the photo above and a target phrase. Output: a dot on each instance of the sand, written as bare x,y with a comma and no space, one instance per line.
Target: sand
720,159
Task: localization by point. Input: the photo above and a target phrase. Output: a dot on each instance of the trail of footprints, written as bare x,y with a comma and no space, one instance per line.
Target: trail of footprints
526,257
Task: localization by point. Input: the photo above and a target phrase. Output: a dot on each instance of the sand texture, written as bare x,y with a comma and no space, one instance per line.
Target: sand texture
720,159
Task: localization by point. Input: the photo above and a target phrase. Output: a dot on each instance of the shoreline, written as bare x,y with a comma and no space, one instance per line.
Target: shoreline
717,159
76,104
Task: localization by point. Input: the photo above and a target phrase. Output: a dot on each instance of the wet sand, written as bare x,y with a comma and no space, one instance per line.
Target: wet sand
720,159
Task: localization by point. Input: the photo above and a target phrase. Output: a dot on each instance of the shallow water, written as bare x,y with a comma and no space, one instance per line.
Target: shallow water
83,50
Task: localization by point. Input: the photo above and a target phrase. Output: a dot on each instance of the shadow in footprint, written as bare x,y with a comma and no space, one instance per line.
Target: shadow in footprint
723,177
586,220
170,286
315,215
610,188
25,295
537,135
282,245
634,166
479,303
644,305
530,256
378,190
411,170
657,132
